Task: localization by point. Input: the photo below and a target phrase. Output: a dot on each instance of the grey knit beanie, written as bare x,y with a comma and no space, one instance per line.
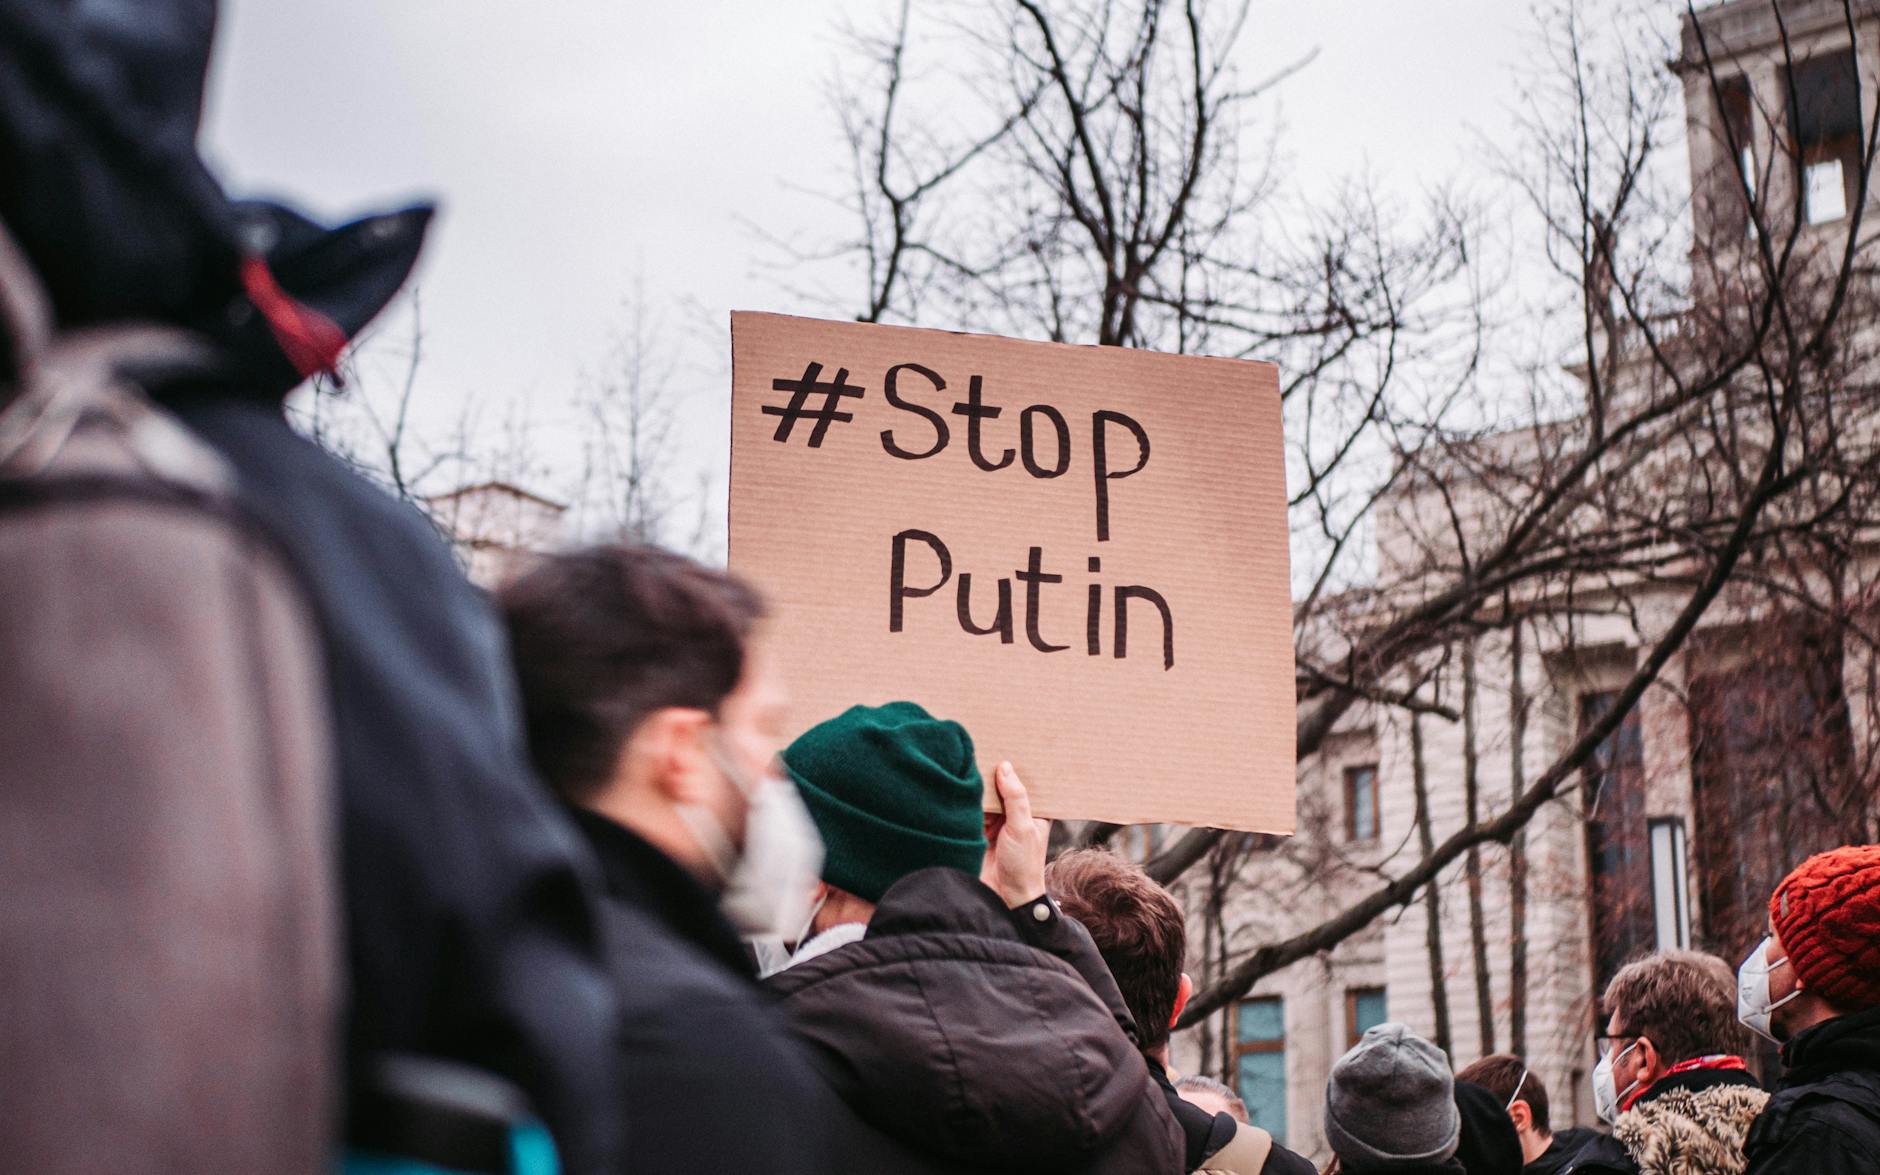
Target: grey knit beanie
1391,1103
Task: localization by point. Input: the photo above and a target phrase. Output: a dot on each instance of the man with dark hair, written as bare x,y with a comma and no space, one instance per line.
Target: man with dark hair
1524,1094
1140,931
1814,985
655,712
968,1024
1670,1078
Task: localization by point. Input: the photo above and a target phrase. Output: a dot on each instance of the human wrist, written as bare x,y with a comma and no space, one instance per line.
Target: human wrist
1017,897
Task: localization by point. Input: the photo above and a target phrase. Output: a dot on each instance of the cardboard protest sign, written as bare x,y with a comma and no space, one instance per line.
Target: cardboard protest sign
1078,552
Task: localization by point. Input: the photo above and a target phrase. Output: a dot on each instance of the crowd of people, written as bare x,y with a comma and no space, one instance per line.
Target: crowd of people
312,853
1672,1081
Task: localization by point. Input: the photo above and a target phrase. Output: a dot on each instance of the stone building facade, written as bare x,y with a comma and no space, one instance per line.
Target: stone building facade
1674,835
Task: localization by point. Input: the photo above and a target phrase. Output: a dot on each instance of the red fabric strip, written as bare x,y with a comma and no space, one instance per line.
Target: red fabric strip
311,341
1719,1061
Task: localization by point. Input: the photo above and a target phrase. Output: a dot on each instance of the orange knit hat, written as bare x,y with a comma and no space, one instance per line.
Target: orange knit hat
1827,913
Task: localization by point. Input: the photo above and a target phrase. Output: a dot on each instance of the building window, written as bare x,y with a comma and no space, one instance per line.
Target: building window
1825,121
1361,802
1671,889
1260,1062
1365,1009
1618,848
1735,175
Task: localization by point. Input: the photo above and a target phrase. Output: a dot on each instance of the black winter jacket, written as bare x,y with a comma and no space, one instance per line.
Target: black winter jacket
1564,1149
1689,1123
471,905
963,1040
712,1078
1825,1117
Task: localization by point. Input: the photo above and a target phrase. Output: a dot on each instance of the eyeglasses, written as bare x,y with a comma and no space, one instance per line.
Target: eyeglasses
1607,1042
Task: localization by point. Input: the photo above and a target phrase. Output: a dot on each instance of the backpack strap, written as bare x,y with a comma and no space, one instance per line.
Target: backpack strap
70,402
25,312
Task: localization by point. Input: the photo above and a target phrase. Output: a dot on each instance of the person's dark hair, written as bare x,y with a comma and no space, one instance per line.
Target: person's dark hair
1684,1002
605,636
1502,1074
1137,926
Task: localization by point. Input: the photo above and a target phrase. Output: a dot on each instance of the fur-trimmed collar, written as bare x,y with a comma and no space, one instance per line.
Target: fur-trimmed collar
1691,1131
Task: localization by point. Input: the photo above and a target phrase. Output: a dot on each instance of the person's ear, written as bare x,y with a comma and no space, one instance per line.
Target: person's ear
671,742
1651,1064
1183,992
1522,1114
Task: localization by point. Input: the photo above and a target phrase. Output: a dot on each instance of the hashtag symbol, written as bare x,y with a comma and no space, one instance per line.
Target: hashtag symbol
800,391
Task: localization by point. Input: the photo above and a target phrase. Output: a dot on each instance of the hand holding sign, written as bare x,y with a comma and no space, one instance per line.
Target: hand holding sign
1016,843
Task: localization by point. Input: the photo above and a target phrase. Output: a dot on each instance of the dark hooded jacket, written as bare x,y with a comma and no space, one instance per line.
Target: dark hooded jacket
1687,1124
473,933
962,1040
1489,1144
470,905
1825,1117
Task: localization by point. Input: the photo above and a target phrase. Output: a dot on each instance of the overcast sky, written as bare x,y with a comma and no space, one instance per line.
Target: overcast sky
576,144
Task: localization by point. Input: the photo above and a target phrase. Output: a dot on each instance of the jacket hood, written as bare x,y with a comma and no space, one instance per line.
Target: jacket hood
943,1029
1489,1144
107,196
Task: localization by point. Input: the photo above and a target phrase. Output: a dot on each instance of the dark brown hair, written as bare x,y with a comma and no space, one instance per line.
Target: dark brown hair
1502,1075
1137,926
603,637
1684,1002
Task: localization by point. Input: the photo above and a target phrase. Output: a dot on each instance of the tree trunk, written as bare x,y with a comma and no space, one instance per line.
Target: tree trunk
1517,854
1472,863
1432,902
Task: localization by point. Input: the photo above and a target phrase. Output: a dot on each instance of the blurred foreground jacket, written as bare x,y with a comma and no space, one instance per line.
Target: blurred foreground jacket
469,904
168,930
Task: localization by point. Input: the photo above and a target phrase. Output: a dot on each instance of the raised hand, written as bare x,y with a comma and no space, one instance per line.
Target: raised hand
1015,843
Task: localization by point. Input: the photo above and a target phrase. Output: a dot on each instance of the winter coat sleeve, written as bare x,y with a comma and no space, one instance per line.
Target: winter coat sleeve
1252,1151
1042,925
1280,1161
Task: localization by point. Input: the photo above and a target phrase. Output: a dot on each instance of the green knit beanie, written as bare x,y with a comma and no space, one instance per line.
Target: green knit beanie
892,789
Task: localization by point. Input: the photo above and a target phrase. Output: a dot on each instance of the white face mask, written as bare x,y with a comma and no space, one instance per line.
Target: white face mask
767,885
776,954
1752,992
1605,1096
